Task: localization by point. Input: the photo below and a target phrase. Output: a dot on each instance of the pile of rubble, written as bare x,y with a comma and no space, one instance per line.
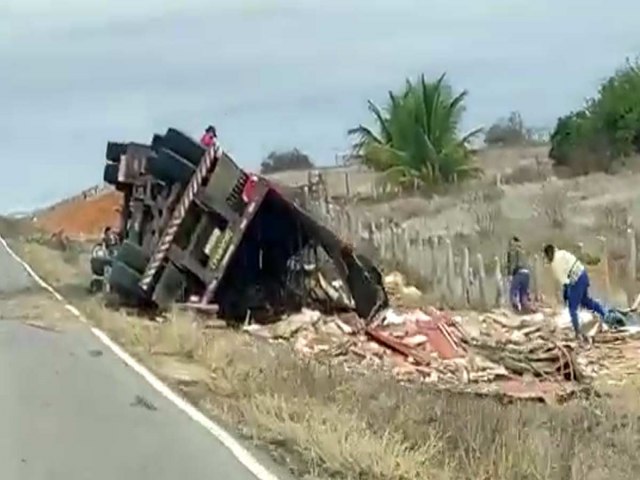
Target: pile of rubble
496,353
483,353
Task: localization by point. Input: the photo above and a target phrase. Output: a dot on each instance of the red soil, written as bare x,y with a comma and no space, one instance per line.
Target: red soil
83,218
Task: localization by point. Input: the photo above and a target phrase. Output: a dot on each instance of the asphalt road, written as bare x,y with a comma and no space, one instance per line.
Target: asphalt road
71,410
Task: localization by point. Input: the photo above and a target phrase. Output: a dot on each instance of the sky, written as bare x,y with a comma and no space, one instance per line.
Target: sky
274,74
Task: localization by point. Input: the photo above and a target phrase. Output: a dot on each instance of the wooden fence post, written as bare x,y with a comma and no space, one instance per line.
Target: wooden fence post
423,257
482,286
394,243
450,268
404,244
466,297
500,293
633,256
435,266
385,240
604,260
536,276
347,185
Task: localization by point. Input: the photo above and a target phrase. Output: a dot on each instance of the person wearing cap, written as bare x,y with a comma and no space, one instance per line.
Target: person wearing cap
209,137
520,277
573,277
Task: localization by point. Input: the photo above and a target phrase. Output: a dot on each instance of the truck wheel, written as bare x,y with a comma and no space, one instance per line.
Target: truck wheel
110,174
183,145
157,142
133,256
95,285
98,264
125,282
114,150
170,286
169,167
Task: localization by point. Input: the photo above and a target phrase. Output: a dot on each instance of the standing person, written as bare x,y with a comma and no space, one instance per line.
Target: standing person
573,277
209,138
520,277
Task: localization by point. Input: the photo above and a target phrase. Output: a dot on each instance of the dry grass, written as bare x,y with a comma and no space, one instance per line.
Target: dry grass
484,206
324,421
552,204
615,217
528,173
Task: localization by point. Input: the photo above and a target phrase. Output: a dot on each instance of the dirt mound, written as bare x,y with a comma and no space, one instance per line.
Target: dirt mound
84,217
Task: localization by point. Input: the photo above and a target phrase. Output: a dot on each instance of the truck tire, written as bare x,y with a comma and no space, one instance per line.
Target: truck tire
98,265
114,150
157,142
110,174
133,256
183,145
169,167
125,282
95,285
170,286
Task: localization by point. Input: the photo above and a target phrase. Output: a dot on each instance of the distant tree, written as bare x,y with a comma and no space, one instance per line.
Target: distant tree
509,131
606,130
286,160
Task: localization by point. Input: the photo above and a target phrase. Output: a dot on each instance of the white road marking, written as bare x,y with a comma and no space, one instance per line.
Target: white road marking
241,453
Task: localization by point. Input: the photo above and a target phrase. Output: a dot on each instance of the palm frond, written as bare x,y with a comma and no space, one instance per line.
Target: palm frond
416,136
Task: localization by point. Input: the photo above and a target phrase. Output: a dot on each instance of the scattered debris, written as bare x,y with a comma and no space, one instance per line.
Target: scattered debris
180,371
531,357
41,326
140,401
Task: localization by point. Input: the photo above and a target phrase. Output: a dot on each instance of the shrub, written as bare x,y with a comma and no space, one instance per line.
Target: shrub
607,128
287,160
416,139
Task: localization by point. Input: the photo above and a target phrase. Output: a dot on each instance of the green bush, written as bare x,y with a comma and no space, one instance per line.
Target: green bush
286,160
416,140
607,128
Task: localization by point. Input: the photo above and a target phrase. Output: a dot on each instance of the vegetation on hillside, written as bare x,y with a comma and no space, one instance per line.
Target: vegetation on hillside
511,131
605,130
286,160
416,139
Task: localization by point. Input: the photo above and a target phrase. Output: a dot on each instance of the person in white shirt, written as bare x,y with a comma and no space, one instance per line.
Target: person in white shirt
574,279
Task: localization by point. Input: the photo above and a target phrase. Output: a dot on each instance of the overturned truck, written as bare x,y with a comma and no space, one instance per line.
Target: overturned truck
197,228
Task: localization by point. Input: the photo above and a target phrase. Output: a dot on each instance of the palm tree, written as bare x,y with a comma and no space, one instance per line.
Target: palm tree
417,136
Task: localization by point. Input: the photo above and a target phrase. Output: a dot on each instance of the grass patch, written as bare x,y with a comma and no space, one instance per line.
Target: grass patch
325,421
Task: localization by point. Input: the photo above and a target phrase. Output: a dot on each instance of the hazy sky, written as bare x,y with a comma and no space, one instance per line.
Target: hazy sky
274,74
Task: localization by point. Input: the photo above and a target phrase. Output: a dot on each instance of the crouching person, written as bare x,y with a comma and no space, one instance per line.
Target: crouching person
518,271
573,277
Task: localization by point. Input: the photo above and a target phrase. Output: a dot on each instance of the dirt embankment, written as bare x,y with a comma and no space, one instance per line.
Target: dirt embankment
84,217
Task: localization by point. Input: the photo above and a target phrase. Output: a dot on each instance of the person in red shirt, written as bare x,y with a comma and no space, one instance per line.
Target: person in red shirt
209,138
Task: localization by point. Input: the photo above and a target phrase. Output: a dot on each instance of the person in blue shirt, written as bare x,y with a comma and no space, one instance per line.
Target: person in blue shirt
519,275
